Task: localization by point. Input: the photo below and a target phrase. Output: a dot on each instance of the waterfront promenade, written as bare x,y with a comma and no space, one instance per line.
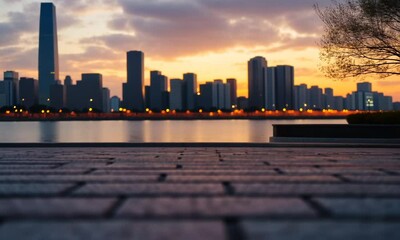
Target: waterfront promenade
199,192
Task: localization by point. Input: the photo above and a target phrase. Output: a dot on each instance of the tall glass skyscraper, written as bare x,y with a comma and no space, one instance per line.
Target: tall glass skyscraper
256,70
133,90
48,52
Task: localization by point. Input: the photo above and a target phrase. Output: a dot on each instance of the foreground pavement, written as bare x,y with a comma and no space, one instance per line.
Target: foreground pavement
199,193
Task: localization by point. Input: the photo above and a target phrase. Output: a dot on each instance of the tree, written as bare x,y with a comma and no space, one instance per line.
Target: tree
362,37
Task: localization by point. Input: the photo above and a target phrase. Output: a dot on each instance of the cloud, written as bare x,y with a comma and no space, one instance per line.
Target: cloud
176,28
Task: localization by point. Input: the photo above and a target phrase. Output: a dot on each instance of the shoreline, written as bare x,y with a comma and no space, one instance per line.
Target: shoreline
163,117
198,145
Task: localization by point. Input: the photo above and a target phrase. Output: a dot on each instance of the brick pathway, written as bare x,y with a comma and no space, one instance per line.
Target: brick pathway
199,193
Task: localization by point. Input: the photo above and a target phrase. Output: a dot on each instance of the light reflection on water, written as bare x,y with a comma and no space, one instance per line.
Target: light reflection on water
146,131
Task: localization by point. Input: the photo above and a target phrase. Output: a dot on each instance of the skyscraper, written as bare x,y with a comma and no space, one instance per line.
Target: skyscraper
115,104
13,77
190,90
233,88
176,94
329,100
48,51
269,89
284,87
158,87
133,98
256,81
28,89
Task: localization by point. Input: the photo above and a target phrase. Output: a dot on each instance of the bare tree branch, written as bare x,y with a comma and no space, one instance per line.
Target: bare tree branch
362,37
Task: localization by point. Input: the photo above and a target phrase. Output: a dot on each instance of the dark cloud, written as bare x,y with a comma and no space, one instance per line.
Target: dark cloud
173,28
18,57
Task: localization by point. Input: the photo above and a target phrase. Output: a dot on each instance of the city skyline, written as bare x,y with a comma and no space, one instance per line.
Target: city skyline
81,50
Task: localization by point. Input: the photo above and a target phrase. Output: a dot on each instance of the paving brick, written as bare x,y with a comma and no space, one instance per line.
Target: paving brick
42,171
191,172
362,207
150,189
318,189
374,179
54,207
78,178
327,230
106,230
331,170
32,188
27,166
214,207
251,178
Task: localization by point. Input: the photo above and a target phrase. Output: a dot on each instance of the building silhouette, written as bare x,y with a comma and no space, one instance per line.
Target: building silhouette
190,91
133,89
269,88
115,102
6,89
87,94
256,82
176,94
106,105
13,78
48,51
329,101
28,92
233,90
57,96
284,86
158,89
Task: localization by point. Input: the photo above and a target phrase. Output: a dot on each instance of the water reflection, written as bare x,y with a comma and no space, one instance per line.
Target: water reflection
146,131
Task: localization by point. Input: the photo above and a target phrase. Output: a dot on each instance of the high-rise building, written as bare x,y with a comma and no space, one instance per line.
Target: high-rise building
300,101
364,87
87,93
190,91
243,103
106,100
233,90
115,104
208,96
220,93
133,98
284,85
68,81
269,88
48,51
227,97
57,96
158,87
316,98
13,77
176,95
256,82
338,103
328,98
28,92
6,96
396,106
147,96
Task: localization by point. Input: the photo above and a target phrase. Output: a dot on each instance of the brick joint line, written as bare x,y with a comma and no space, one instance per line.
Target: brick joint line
72,189
162,177
110,213
228,188
233,229
321,210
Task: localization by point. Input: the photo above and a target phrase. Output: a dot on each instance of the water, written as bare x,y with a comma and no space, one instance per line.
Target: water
249,131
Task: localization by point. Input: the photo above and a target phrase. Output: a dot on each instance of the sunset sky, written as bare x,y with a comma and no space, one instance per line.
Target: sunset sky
213,38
